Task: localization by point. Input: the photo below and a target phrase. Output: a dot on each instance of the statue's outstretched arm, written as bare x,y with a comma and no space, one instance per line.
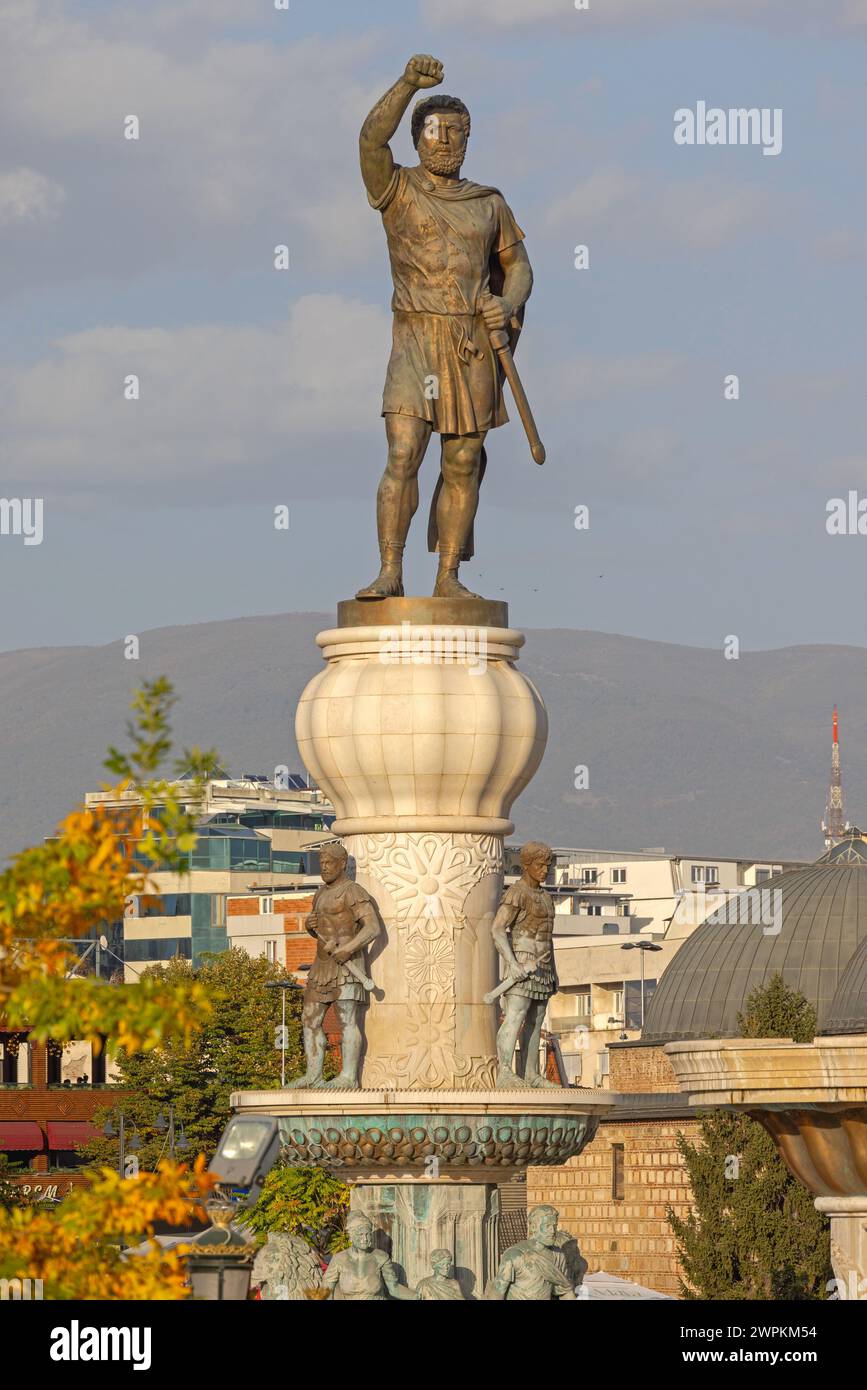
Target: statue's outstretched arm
377,161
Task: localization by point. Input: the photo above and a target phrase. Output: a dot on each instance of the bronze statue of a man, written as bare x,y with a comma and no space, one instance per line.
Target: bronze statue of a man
460,271
535,1268
344,919
523,933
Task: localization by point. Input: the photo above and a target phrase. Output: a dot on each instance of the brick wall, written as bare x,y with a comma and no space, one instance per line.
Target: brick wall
639,1068
630,1238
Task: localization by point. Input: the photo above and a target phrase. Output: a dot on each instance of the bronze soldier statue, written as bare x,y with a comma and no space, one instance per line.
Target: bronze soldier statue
523,933
344,919
535,1268
460,273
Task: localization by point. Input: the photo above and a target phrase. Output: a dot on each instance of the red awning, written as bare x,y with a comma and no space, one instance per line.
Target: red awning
20,1134
68,1134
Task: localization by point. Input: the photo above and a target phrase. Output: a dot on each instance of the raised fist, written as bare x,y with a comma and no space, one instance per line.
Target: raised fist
424,71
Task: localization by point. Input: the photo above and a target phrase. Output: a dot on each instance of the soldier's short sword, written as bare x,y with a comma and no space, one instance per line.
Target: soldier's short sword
501,988
353,969
500,343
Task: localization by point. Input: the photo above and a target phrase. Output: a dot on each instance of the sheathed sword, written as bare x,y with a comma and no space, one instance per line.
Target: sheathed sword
500,343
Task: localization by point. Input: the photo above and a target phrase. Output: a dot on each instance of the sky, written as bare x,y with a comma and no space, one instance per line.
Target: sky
261,388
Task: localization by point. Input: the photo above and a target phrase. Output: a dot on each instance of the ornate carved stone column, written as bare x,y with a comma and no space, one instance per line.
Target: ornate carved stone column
422,735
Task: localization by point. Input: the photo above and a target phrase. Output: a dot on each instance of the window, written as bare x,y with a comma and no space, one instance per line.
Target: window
617,1173
164,905
633,1001
618,875
582,1003
266,904
271,951
589,875
14,1059
617,1003
705,873
593,909
762,875
163,948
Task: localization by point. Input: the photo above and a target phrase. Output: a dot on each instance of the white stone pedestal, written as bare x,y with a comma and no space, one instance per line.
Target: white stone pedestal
422,735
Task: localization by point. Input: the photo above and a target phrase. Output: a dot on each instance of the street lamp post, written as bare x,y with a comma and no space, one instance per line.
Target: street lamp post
161,1125
641,946
109,1131
282,985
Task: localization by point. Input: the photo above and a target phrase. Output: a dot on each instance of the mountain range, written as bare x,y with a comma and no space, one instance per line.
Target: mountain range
684,748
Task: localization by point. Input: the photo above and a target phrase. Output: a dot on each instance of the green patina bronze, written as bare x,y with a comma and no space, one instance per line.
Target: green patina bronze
456,1141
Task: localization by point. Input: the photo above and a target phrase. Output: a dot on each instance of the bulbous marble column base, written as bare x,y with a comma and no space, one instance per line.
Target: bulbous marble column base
422,733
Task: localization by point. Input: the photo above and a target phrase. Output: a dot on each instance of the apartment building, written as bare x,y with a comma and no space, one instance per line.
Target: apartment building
255,851
621,915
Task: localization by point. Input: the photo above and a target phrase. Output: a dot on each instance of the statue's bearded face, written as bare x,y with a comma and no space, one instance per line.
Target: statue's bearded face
546,1230
331,866
442,145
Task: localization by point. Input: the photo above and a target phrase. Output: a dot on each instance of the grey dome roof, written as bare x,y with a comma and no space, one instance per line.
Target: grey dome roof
823,919
848,1012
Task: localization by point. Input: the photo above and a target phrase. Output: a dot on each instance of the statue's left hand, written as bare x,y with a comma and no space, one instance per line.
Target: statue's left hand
496,312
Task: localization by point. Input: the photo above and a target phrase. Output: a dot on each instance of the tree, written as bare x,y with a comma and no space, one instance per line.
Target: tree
77,1250
10,1194
754,1232
308,1202
66,889
778,1011
79,880
236,1049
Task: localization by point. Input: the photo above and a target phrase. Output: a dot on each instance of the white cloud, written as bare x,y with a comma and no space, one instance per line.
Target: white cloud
235,134
220,405
699,214
518,14
28,196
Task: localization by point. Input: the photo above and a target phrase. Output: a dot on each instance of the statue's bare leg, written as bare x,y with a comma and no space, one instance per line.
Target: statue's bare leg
456,508
312,1018
516,1008
350,1047
528,1053
397,500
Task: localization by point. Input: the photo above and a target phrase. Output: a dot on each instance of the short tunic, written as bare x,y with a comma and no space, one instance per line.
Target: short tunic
442,243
